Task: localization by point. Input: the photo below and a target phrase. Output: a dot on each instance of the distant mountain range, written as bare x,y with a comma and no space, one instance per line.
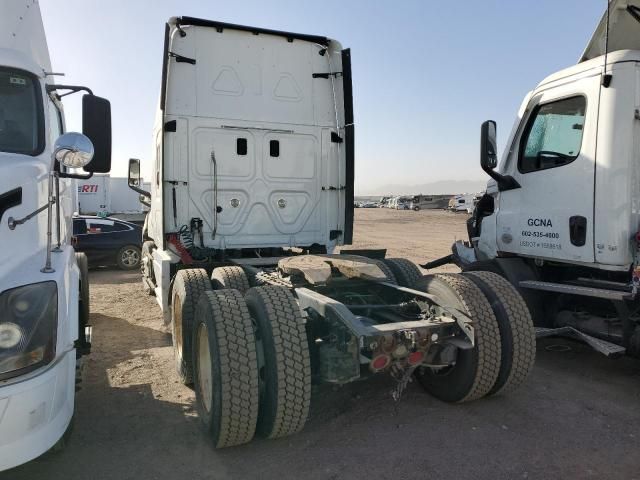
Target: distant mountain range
441,187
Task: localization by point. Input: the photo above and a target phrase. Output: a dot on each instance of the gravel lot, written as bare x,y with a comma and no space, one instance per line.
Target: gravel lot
576,417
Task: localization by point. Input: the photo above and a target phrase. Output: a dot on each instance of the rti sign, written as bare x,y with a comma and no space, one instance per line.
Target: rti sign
90,188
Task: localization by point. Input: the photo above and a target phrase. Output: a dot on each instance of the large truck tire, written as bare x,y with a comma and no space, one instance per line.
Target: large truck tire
406,272
84,309
514,270
391,278
230,277
188,285
476,370
225,368
484,266
517,335
285,375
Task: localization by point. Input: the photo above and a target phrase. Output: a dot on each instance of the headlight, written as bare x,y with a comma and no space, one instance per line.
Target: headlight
28,325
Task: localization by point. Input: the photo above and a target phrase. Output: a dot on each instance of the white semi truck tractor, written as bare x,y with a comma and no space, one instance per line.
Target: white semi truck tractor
251,194
561,216
44,289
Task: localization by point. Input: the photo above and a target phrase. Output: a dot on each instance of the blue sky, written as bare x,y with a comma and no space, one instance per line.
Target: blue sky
426,73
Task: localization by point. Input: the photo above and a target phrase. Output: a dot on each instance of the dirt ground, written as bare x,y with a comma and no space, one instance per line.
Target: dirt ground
576,417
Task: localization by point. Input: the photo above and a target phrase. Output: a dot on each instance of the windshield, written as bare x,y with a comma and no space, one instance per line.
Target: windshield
20,113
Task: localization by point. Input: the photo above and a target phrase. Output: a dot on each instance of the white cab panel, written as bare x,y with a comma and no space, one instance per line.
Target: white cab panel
251,102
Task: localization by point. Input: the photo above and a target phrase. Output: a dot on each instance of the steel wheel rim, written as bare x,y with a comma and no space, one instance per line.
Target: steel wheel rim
130,257
205,380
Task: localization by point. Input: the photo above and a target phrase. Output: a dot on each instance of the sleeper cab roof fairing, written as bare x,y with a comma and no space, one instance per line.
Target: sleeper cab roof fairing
221,26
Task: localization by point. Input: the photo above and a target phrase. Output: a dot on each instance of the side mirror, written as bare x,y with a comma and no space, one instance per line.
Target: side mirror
488,146
73,150
134,177
489,157
134,172
96,124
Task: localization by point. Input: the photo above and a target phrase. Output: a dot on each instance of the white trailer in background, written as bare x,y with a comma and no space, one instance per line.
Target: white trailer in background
252,192
104,195
44,290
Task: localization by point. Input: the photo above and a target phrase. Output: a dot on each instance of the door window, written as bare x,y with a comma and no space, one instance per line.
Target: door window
100,226
553,136
21,119
120,227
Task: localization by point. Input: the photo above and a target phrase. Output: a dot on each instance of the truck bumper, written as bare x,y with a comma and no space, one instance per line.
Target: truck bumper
35,413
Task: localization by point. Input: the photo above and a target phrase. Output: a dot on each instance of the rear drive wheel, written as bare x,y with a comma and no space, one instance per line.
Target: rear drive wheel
128,257
285,375
225,368
188,285
391,278
518,338
230,277
476,369
406,272
484,266
540,304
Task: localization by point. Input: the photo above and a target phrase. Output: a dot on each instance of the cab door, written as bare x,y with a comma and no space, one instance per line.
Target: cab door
553,159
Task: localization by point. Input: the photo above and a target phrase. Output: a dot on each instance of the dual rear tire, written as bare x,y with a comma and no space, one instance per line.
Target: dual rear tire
249,357
504,351
224,367
250,364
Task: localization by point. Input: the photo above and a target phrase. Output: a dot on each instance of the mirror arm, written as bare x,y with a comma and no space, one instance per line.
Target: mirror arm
140,191
12,223
79,176
505,182
145,203
71,88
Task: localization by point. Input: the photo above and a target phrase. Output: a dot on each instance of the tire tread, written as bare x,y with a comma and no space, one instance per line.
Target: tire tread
237,362
522,332
230,277
189,283
406,273
291,358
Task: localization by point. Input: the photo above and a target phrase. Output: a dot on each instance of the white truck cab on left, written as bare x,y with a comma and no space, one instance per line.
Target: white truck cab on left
43,283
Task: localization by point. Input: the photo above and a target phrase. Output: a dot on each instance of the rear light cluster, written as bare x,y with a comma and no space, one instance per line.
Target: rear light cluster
391,352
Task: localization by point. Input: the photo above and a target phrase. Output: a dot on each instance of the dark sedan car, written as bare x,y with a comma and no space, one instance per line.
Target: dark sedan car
108,241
